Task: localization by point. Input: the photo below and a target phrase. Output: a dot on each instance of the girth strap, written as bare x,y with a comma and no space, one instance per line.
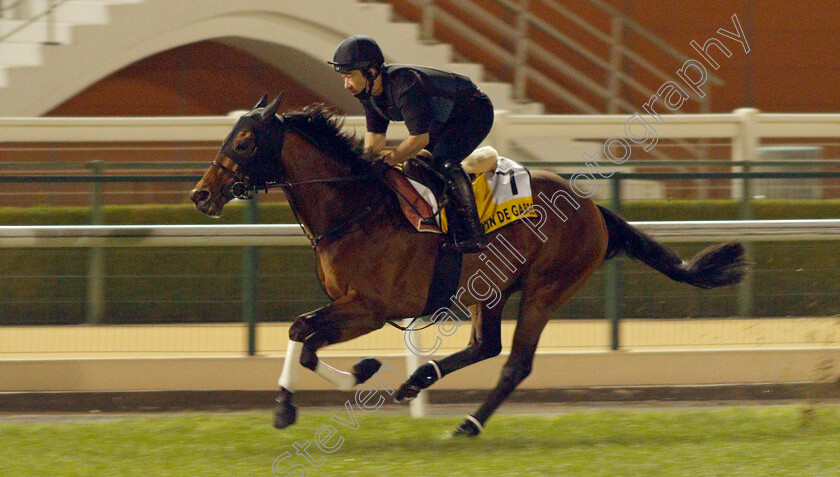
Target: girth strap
444,285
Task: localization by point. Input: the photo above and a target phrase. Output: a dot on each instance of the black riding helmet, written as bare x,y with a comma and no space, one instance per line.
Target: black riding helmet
358,52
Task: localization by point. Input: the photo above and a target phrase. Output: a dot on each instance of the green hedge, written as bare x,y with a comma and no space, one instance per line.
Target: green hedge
141,215
160,285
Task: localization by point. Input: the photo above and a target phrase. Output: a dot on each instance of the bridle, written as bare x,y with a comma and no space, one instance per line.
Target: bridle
244,188
241,187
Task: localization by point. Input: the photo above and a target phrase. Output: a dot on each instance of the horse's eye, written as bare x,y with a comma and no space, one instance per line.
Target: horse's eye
242,147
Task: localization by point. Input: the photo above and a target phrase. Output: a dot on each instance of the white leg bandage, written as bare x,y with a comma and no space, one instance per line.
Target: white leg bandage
291,366
477,424
342,380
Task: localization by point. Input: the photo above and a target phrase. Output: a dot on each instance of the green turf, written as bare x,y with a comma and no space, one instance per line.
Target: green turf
765,441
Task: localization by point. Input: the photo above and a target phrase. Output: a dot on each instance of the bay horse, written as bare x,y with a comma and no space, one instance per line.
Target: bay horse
376,267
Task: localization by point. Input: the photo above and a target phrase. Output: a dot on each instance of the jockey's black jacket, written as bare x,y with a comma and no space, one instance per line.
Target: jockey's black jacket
423,97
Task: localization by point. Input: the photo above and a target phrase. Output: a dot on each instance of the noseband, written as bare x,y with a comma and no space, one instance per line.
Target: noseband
241,187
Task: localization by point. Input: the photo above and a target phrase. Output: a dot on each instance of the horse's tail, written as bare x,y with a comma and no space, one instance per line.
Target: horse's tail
715,266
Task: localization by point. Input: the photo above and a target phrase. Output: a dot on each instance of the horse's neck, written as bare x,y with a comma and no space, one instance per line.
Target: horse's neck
328,206
325,208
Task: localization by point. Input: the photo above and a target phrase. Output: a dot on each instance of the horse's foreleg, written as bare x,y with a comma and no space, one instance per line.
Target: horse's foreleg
289,377
305,337
315,340
299,353
309,333
285,413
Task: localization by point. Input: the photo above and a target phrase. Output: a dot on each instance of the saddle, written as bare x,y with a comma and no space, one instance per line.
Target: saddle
422,193
420,169
502,190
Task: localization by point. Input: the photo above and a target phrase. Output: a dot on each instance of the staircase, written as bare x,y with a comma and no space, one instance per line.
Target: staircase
52,49
29,26
584,56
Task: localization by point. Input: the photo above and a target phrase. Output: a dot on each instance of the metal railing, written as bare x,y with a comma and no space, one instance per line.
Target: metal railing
96,174
252,236
517,32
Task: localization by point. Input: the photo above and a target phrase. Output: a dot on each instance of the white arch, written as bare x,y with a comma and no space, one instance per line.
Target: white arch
295,48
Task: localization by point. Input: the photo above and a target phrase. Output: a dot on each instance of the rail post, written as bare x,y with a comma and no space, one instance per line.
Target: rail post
250,270
51,38
427,22
745,150
612,280
95,303
418,406
498,137
616,54
745,288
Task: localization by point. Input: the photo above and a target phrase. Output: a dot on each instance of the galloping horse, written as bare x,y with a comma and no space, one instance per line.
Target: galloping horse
377,268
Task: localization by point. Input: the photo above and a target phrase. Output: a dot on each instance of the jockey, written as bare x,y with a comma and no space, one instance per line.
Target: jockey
444,112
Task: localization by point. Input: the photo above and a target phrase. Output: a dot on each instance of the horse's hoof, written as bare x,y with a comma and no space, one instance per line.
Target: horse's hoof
365,369
420,379
468,428
406,393
285,414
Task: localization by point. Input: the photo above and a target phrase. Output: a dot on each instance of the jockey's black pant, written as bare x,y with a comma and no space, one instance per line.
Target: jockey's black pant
468,125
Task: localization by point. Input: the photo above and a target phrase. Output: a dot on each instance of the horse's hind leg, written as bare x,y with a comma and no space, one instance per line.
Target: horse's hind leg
485,342
518,366
543,293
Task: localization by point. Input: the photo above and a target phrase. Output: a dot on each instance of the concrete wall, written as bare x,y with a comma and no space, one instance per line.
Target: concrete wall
551,370
571,354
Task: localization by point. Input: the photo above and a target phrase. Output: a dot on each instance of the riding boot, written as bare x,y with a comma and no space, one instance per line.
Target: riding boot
470,237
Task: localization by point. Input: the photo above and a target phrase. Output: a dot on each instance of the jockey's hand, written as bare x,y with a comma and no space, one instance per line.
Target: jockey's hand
389,158
386,155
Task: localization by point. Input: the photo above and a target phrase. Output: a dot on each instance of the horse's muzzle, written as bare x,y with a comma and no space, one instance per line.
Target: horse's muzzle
201,199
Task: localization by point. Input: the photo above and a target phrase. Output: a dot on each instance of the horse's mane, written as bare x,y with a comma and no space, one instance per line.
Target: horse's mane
322,126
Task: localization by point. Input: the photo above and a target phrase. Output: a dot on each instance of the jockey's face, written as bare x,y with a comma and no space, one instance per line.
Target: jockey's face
354,82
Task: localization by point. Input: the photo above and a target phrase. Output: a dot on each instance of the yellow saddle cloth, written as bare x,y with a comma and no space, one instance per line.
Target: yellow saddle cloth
503,195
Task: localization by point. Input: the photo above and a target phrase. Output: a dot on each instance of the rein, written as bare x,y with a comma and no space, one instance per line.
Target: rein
289,185
245,182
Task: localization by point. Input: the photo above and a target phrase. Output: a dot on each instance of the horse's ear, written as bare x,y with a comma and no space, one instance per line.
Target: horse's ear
271,109
262,101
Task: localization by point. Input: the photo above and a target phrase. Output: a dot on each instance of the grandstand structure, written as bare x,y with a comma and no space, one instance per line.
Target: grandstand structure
168,57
